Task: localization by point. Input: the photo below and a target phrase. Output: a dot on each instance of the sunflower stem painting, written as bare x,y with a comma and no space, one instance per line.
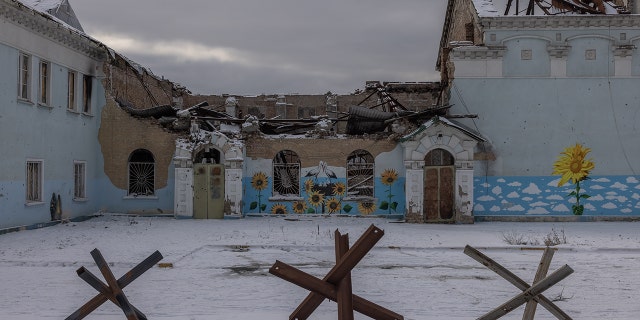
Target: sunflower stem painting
573,166
389,177
259,182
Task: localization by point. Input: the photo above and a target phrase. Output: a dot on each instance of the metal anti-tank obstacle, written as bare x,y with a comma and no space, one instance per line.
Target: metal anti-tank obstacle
336,285
113,289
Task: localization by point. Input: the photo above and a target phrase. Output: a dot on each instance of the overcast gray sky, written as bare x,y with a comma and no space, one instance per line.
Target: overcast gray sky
272,46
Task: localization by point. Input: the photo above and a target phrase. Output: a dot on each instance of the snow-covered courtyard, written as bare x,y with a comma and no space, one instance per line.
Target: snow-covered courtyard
220,267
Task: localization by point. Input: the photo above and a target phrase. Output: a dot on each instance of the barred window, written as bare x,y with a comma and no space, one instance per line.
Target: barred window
34,178
360,174
79,180
141,173
286,173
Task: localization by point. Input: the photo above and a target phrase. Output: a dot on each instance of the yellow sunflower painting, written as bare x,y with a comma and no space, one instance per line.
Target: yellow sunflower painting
308,185
299,207
366,208
279,209
333,205
339,189
316,198
572,165
389,176
259,181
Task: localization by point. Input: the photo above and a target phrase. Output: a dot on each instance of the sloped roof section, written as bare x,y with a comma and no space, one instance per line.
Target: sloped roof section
60,9
448,122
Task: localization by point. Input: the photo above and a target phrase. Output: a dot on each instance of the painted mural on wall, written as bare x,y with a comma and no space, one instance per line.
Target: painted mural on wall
322,191
540,195
573,166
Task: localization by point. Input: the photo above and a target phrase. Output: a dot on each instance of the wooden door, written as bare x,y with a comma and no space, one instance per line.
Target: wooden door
438,193
208,191
439,180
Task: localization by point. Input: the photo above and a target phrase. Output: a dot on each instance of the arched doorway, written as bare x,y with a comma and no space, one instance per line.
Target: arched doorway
208,184
439,181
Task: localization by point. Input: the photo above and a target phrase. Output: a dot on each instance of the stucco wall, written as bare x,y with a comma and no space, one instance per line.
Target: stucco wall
538,89
388,196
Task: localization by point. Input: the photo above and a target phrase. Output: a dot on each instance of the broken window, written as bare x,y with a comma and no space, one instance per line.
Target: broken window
34,181
71,92
141,173
43,96
360,174
87,82
469,31
24,81
79,179
286,173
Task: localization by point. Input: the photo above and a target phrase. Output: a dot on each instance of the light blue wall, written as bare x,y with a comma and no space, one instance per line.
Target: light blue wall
389,199
504,196
529,117
48,133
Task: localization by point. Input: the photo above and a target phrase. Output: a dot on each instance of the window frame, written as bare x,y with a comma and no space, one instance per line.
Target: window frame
87,90
34,180
79,180
286,161
141,174
24,76
72,84
44,83
360,161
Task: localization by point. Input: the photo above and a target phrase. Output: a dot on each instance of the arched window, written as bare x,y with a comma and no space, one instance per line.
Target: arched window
141,173
360,165
438,157
286,173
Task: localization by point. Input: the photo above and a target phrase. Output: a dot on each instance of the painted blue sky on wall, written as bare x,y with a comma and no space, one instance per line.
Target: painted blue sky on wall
610,195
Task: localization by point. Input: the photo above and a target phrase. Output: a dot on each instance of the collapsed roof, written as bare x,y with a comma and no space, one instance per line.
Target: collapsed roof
378,113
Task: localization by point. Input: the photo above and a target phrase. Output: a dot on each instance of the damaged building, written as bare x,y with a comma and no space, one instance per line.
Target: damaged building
521,80
543,76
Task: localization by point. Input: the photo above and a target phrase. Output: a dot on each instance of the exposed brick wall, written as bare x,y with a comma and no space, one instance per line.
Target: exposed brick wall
120,133
311,151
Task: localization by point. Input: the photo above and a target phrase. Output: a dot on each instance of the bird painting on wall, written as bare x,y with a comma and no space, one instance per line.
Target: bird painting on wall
321,170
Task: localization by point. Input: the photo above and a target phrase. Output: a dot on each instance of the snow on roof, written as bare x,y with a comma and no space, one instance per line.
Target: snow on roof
485,8
43,5
58,9
495,8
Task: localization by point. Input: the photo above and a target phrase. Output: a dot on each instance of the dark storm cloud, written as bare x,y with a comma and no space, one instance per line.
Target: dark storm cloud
274,46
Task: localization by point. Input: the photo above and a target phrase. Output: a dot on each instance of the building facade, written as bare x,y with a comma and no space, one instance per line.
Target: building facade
539,84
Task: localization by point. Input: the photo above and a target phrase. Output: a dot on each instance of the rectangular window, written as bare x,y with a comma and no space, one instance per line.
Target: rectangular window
71,93
34,181
87,82
24,76
79,178
43,97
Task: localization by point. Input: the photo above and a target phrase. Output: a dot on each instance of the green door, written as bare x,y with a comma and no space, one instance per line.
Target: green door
208,191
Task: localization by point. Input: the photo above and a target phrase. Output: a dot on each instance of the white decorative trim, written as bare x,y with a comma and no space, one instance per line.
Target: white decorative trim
46,26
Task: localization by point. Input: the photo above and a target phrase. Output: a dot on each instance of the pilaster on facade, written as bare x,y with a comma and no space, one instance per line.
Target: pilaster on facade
478,52
558,51
623,51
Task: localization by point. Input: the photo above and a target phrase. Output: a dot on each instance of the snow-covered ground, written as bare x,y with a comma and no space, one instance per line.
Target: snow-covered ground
220,267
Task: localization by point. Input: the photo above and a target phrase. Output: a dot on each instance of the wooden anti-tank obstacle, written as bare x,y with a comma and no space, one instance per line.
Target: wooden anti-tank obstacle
336,285
113,289
531,294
